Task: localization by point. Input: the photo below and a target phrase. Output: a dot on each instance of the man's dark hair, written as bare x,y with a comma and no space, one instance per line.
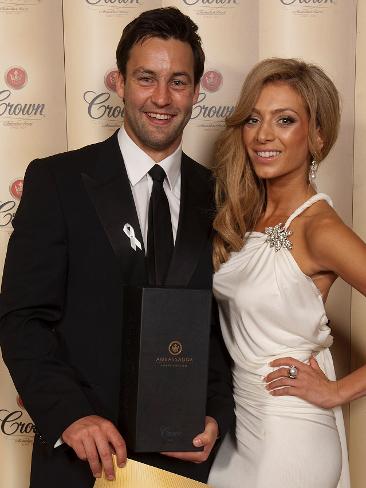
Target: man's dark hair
164,23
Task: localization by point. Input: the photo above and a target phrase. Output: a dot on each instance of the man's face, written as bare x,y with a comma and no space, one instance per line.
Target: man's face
158,92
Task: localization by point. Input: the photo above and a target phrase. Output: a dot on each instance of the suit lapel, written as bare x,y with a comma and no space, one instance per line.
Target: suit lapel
110,192
195,224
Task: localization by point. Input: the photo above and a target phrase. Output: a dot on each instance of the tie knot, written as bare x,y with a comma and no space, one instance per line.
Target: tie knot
157,173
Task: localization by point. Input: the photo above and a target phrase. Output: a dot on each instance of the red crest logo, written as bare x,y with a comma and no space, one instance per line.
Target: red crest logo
211,81
110,79
16,189
16,77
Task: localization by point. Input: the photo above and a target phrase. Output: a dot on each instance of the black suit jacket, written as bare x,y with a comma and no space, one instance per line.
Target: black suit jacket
61,303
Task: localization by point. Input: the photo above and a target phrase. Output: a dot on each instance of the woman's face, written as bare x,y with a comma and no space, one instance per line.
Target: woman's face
275,135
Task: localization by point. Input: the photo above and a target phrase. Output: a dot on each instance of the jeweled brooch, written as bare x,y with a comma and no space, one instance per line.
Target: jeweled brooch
277,237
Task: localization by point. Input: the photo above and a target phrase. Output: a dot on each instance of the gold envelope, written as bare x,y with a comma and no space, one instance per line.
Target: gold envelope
139,475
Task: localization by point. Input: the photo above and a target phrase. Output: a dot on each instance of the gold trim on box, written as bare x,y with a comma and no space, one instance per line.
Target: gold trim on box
139,475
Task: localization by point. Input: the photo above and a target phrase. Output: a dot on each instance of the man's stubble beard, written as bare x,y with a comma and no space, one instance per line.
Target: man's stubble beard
152,140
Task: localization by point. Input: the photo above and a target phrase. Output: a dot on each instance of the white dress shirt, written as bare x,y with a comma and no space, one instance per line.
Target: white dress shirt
138,163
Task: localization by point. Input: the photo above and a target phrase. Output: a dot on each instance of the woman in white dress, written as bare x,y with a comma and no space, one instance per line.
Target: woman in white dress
279,247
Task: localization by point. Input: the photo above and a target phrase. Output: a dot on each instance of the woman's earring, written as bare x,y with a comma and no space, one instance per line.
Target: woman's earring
312,172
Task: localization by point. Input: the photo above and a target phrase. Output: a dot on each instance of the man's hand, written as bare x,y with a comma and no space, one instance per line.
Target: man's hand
206,440
95,439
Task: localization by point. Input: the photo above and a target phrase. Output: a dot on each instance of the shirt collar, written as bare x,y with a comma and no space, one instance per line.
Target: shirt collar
138,163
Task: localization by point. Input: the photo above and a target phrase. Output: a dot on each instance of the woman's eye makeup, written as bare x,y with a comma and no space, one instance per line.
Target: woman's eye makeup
252,119
286,120
283,120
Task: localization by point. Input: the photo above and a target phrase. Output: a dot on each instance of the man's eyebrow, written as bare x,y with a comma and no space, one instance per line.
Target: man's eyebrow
182,73
144,71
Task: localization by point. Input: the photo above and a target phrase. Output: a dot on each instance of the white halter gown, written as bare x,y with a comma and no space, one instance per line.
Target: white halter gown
270,309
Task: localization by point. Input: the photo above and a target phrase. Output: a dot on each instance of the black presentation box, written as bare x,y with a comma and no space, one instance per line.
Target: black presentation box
165,352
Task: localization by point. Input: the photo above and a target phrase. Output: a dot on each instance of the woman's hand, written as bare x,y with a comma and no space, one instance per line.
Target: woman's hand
310,384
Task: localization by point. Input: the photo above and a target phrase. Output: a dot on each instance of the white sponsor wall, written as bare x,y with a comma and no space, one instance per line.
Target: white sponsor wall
357,432
57,68
32,124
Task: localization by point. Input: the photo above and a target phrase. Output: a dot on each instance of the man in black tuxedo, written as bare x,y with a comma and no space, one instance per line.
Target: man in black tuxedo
71,254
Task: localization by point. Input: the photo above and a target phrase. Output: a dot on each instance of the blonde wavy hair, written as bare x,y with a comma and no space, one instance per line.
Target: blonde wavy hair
240,194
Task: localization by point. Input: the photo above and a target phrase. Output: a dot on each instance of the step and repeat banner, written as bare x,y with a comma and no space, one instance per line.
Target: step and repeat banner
32,124
358,409
57,92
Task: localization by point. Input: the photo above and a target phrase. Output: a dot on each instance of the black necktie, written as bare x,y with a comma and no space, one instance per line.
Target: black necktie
159,236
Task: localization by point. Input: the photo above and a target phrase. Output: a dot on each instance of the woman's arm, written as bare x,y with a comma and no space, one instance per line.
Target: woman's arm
313,386
332,247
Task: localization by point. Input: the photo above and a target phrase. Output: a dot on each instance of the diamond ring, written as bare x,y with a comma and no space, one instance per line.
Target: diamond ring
292,372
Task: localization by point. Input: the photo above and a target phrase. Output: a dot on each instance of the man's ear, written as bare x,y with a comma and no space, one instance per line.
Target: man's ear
196,93
120,85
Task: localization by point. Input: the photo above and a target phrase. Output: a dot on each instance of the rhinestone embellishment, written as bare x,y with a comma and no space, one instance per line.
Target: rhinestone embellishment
277,237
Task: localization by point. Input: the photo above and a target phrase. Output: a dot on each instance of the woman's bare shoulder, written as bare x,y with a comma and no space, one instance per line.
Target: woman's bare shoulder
321,216
329,240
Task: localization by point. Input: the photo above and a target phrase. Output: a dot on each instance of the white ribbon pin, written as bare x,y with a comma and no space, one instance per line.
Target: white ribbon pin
130,233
